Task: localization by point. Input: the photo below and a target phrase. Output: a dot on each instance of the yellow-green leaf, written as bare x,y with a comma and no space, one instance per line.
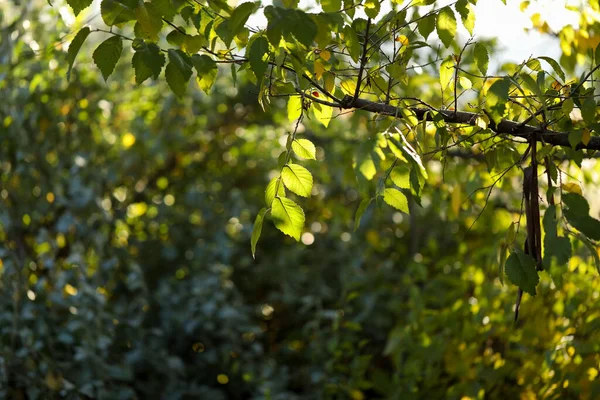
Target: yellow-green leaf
401,177
288,217
304,148
446,72
270,191
446,26
323,113
297,179
257,229
396,199
294,107
207,70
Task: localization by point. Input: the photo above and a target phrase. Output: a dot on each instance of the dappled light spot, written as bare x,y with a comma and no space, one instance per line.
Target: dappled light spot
198,347
267,310
169,200
308,238
128,140
70,290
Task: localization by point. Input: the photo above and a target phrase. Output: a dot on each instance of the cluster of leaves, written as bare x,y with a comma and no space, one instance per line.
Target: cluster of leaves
125,270
306,57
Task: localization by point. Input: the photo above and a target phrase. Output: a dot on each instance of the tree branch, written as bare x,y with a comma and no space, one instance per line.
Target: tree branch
505,127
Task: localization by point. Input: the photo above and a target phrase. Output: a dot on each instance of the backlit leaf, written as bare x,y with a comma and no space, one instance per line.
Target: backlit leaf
257,229
323,113
118,11
446,25
206,68
396,199
288,217
149,19
467,15
294,107
496,99
401,177
482,59
446,72
239,16
304,148
274,184
297,179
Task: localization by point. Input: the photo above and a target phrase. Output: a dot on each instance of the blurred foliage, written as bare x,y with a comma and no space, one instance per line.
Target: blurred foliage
126,270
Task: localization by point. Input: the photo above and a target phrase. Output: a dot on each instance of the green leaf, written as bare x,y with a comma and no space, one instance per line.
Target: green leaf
304,148
520,270
575,137
482,58
107,55
352,43
147,61
465,82
178,71
496,99
206,68
118,11
288,217
401,177
362,207
331,5
284,22
585,224
258,54
372,8
294,107
426,26
167,8
567,106
297,179
555,66
75,46
257,230
240,15
502,262
446,26
591,247
149,20
79,5
555,247
270,191
557,252
467,15
396,199
446,72
303,28
576,203
588,110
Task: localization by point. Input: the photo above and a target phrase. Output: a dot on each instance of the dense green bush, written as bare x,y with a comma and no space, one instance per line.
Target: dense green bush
126,270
